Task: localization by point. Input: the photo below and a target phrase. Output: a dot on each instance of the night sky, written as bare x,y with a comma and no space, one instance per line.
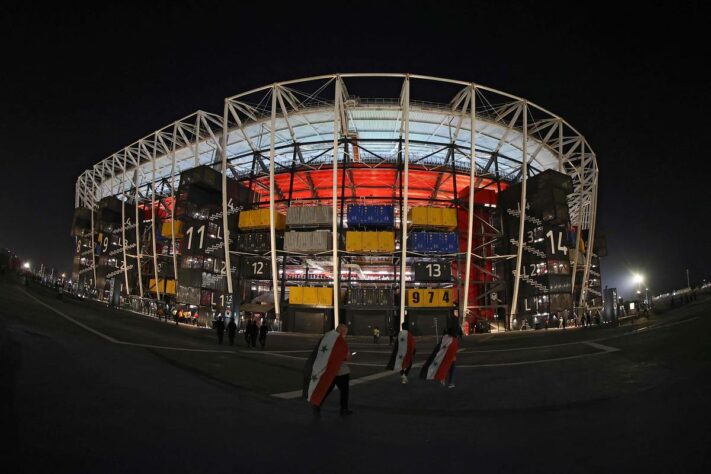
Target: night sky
76,86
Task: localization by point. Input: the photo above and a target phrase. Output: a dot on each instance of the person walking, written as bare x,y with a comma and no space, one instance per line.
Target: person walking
403,354
440,364
220,328
327,368
254,332
231,330
247,332
376,335
392,334
263,330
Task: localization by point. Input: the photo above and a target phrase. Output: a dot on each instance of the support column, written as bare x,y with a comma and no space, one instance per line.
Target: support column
153,223
272,230
334,203
591,240
225,221
403,215
172,209
138,236
522,216
123,229
464,302
579,226
93,234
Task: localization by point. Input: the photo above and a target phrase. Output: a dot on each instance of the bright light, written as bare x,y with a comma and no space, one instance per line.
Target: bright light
638,278
26,265
64,275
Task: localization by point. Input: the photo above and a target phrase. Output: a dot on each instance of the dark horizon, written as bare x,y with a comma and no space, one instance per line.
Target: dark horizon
79,86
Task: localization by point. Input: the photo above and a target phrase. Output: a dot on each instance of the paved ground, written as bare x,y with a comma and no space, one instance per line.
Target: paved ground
88,389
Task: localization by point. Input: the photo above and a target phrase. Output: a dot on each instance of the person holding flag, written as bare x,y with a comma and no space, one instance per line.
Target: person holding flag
403,353
327,368
441,362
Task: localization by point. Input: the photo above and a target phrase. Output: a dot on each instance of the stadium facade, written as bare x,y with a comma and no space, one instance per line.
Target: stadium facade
447,203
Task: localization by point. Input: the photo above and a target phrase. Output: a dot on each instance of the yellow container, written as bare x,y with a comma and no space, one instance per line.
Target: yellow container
170,287
386,241
418,215
434,217
279,220
245,220
354,241
152,285
310,295
259,219
325,296
166,229
370,242
449,218
296,295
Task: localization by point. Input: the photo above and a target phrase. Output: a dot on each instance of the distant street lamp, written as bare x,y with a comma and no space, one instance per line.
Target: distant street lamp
26,265
638,279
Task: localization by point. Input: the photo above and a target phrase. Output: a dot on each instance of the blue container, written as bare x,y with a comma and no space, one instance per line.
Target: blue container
417,241
386,216
452,242
371,216
355,215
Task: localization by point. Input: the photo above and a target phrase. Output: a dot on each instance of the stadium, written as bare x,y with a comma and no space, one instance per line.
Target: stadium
368,199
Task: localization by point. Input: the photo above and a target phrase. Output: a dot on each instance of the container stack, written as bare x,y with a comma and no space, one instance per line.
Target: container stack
433,237
370,245
309,235
199,238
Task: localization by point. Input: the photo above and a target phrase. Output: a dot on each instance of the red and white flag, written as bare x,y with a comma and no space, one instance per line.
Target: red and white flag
439,367
331,352
403,352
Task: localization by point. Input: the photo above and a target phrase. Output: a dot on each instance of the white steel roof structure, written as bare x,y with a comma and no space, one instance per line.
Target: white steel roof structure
309,117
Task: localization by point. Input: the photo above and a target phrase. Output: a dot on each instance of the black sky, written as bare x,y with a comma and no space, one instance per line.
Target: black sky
76,86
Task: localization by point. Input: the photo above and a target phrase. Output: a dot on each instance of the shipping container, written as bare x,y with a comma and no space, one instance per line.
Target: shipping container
371,296
433,242
259,219
296,295
309,216
256,242
433,217
165,286
311,296
188,295
308,242
167,229
370,241
371,216
354,241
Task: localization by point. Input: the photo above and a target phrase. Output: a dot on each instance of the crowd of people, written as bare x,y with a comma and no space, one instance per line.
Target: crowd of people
253,331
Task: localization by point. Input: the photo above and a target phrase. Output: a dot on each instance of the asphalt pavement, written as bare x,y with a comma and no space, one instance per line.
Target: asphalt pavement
85,388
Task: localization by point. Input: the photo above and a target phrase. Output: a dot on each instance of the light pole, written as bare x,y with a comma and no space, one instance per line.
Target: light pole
638,279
